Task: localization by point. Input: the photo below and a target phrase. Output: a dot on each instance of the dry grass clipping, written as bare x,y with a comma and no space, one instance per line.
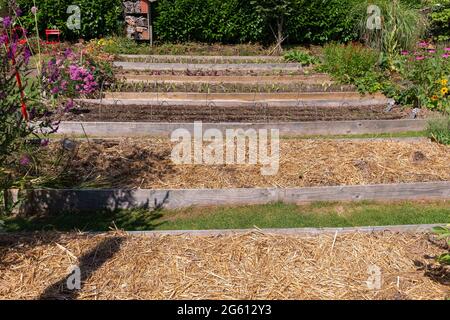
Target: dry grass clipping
140,163
248,266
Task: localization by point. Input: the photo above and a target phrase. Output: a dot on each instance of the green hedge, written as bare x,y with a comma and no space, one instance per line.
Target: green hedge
207,21
226,21
320,21
234,21
98,18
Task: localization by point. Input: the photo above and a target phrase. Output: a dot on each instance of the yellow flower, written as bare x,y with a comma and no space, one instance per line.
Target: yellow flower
434,98
444,82
444,91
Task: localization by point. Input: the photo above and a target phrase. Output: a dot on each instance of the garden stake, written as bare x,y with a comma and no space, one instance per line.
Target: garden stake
19,83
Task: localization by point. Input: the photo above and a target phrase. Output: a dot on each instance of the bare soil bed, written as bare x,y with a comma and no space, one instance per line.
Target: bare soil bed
147,164
248,266
259,113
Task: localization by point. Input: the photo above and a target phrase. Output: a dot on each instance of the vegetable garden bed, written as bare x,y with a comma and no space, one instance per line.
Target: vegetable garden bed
243,266
195,59
225,84
259,113
146,163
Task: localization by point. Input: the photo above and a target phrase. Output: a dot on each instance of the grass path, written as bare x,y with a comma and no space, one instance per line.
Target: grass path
275,215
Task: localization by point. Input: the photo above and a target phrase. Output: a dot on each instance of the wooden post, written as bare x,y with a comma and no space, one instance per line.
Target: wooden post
150,22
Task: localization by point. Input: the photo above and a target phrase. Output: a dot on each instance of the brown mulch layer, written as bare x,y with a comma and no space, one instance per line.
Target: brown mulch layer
260,113
246,266
146,163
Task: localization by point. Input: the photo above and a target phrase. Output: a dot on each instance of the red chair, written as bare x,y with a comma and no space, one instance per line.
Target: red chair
52,32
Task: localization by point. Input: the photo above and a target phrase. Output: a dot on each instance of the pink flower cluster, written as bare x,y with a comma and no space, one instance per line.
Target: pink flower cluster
427,49
64,74
87,82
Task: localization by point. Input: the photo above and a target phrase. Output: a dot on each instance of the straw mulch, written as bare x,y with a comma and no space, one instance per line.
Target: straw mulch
140,163
247,266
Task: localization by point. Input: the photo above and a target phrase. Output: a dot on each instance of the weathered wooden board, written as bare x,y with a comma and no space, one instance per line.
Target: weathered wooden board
54,201
133,129
306,232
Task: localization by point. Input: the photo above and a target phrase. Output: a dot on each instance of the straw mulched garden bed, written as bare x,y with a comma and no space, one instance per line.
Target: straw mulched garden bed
248,266
140,163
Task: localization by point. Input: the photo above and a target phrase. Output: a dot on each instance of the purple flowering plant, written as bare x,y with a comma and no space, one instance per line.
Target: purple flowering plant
23,112
73,74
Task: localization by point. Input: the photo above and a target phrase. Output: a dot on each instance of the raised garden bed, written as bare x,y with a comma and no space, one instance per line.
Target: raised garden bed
224,84
142,66
225,87
243,266
195,59
241,69
146,164
258,113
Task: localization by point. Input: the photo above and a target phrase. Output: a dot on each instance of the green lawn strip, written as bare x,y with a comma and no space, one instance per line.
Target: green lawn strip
277,215
407,134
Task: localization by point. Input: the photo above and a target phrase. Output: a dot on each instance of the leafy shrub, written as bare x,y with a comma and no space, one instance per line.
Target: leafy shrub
301,57
439,130
98,18
440,20
443,233
425,77
348,62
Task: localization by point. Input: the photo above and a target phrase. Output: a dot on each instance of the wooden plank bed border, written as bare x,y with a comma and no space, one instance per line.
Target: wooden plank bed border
130,129
54,201
301,232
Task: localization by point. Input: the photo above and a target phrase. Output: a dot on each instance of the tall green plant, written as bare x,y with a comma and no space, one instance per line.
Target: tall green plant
389,26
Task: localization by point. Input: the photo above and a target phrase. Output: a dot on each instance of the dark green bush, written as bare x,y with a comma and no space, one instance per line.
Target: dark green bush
439,18
207,21
320,21
234,21
98,18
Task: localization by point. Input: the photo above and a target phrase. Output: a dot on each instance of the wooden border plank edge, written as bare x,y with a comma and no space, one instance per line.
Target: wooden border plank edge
302,232
57,200
131,129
